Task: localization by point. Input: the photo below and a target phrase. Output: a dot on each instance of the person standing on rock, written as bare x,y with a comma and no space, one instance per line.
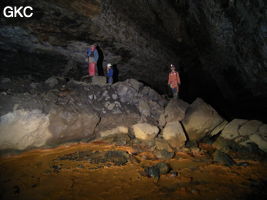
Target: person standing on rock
174,81
93,56
109,73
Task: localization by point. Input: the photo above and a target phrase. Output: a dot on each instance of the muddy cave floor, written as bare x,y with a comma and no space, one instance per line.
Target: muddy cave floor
82,171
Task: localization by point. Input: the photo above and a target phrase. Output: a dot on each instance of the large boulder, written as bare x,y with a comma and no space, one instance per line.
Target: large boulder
263,131
174,134
162,145
250,127
151,94
200,119
126,92
144,108
66,125
231,130
111,122
219,128
254,131
175,110
135,84
24,129
245,133
145,131
260,141
117,130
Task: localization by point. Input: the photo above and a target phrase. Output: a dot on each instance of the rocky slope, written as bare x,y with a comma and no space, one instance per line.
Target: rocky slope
57,111
219,45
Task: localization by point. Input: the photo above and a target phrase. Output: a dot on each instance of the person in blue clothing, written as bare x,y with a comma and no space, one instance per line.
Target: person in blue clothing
93,56
109,73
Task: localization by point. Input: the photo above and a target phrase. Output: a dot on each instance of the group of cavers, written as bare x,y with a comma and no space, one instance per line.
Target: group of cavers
174,80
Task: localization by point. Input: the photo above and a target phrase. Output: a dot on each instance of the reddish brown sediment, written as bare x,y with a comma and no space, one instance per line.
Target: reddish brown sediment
32,175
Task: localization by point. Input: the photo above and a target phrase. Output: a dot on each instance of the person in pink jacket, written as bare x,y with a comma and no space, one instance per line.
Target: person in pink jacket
174,81
93,56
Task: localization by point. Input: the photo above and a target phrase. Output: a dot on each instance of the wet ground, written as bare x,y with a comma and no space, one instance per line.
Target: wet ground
101,171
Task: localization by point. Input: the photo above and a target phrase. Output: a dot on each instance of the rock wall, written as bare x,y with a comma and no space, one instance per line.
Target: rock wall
229,38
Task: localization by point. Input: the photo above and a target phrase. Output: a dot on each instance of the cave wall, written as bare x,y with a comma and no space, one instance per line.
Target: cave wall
219,45
235,52
230,37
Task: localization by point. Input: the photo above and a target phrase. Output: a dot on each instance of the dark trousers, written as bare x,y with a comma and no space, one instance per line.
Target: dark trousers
175,92
110,80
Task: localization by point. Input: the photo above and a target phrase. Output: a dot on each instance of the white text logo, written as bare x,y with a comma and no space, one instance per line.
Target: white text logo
18,11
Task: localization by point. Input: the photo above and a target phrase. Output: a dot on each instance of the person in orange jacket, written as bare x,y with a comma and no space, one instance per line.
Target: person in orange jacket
174,81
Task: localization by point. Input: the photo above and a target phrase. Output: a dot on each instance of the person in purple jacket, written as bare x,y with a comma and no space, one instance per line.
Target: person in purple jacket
109,73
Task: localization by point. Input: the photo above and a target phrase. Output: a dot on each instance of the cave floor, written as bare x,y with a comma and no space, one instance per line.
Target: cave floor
45,174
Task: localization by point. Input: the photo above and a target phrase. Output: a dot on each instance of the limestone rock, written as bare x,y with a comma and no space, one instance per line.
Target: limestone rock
23,129
241,139
117,130
263,131
164,155
51,82
219,128
5,80
98,80
152,94
200,119
144,108
164,168
66,125
162,120
226,145
135,84
114,96
223,158
162,144
109,105
231,130
257,139
152,171
105,95
155,110
112,121
125,92
250,127
117,139
34,85
145,131
175,110
174,134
